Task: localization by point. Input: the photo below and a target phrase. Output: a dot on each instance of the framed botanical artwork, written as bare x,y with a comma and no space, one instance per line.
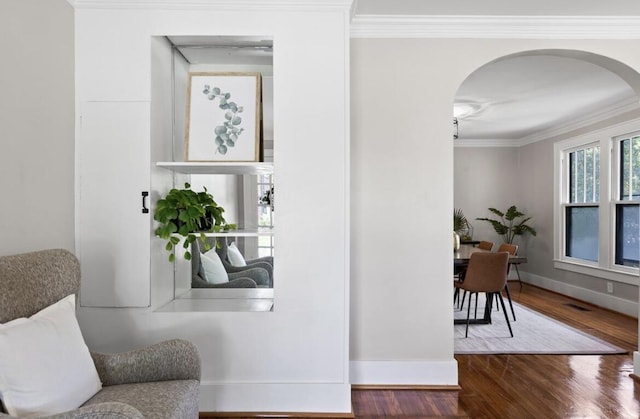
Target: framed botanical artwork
223,117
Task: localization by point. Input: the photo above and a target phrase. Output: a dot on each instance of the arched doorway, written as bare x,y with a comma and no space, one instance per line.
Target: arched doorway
511,112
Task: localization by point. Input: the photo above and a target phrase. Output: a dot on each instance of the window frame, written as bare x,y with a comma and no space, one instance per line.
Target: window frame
609,174
616,200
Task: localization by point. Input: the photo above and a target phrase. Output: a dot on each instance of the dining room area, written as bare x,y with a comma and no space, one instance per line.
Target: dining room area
522,178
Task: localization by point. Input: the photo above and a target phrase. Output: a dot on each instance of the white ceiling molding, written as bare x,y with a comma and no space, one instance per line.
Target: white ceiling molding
591,119
612,111
518,27
240,5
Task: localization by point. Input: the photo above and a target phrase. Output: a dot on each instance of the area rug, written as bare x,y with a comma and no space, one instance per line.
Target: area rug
534,333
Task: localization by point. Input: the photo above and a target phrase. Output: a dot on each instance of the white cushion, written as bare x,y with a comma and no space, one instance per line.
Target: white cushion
235,257
45,366
213,268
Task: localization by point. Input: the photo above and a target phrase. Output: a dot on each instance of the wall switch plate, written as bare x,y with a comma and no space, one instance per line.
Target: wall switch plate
609,287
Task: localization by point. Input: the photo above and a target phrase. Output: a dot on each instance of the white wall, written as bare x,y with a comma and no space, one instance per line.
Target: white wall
295,358
402,196
37,120
484,178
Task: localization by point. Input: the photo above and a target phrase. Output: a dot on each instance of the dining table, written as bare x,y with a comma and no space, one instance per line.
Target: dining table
461,259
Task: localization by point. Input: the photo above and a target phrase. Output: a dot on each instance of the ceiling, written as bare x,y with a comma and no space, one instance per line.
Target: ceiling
515,97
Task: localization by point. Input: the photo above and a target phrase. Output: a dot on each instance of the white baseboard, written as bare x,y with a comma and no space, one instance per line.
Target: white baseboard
415,373
278,397
620,305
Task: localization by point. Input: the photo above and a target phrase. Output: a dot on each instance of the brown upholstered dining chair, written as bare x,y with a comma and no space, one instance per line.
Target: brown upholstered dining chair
485,245
512,249
487,272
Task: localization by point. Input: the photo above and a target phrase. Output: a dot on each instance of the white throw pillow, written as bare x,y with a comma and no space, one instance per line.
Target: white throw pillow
235,257
45,366
213,268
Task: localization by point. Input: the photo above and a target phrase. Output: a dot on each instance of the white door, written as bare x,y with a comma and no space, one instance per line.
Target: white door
113,232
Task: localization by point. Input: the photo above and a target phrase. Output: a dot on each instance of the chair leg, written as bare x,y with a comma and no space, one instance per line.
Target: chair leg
475,315
506,288
518,272
464,295
504,310
466,331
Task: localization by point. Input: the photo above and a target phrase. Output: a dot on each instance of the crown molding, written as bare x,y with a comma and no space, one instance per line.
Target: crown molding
512,27
232,5
591,119
628,105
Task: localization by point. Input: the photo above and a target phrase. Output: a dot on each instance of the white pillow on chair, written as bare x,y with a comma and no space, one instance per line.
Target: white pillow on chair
235,257
214,271
45,366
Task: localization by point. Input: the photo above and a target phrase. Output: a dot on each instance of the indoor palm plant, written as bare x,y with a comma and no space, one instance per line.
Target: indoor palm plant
186,214
509,226
460,225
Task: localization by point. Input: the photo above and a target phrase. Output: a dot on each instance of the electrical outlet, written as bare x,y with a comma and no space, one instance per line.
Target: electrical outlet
609,287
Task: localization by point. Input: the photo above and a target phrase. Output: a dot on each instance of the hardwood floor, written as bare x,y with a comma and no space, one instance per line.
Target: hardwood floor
523,386
530,386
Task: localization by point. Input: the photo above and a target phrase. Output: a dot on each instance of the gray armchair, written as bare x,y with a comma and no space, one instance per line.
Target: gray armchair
222,249
256,277
159,381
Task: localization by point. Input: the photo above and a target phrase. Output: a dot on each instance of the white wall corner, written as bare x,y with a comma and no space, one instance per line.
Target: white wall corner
426,373
620,305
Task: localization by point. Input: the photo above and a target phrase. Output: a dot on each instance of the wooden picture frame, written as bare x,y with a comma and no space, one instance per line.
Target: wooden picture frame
223,117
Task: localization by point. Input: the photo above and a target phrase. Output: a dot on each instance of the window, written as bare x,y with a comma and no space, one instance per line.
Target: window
266,206
627,213
582,203
597,201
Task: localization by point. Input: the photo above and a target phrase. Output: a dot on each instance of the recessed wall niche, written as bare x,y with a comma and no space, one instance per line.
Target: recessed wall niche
238,188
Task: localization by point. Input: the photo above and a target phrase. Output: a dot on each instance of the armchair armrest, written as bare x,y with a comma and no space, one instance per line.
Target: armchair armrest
238,269
259,275
175,359
107,410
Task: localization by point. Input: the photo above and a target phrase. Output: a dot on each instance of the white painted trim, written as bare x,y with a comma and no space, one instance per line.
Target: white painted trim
636,363
628,105
404,372
240,5
620,305
263,397
512,27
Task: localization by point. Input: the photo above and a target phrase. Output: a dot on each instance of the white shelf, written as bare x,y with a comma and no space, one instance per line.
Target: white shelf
239,233
216,305
219,168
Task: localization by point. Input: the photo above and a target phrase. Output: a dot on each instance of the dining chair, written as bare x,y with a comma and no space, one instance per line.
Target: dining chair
487,272
512,249
485,245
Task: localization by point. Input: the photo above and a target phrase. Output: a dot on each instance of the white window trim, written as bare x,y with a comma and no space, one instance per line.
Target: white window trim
605,268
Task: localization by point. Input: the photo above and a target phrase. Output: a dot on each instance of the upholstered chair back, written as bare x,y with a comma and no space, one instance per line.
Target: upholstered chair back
485,245
512,249
33,281
487,272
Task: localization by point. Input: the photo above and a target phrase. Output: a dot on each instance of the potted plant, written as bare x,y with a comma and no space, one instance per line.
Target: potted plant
508,226
184,213
460,224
